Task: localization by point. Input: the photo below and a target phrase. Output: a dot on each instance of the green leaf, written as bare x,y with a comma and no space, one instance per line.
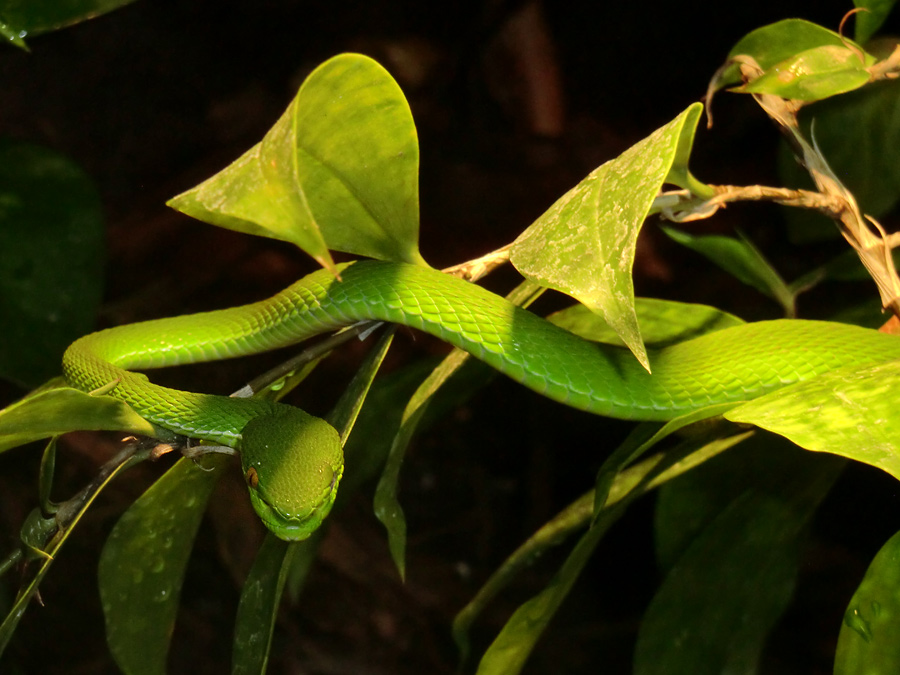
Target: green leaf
510,650
740,258
58,409
258,607
387,506
869,21
15,36
143,562
735,577
584,244
662,322
40,16
386,503
869,641
48,535
51,277
812,75
338,171
854,414
781,41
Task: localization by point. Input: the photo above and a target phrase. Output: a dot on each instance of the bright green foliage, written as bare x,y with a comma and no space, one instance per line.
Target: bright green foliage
345,180
584,244
791,46
855,414
815,74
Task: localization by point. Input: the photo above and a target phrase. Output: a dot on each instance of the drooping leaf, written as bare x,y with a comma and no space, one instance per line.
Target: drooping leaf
849,412
58,409
143,562
51,277
386,503
258,608
510,650
338,171
584,244
740,258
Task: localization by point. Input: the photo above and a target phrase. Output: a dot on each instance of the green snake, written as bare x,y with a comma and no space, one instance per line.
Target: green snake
293,461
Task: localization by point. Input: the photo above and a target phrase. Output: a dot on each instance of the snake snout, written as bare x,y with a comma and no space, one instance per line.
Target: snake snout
293,463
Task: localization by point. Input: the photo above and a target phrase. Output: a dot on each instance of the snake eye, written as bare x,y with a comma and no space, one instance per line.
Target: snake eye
252,477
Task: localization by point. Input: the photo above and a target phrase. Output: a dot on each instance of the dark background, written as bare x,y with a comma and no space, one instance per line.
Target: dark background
155,97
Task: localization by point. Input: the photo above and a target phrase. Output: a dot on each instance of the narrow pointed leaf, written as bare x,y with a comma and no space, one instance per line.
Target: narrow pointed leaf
740,258
584,244
59,409
143,562
509,652
258,608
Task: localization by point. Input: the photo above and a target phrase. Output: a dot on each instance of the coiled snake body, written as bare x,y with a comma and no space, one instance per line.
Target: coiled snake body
293,461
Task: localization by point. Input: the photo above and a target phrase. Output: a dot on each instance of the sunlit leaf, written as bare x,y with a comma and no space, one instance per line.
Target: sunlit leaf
850,412
780,41
51,276
812,75
143,562
338,171
584,244
662,322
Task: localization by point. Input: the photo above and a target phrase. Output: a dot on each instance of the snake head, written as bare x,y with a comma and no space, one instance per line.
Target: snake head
292,463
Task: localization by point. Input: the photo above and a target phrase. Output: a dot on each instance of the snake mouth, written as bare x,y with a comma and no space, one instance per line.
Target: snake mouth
293,526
